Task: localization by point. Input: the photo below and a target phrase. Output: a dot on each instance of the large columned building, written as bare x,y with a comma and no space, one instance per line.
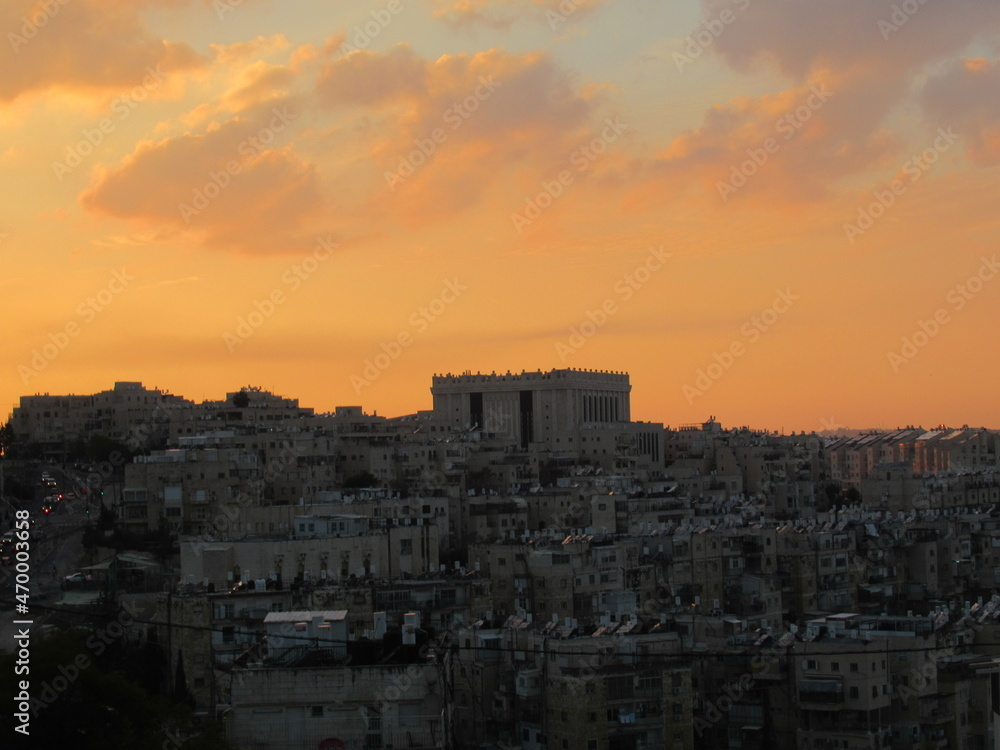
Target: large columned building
534,407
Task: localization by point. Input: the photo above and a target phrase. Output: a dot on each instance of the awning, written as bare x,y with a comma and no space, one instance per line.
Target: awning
821,686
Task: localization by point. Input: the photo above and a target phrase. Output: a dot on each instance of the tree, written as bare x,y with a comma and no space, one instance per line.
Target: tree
181,692
6,439
84,697
241,400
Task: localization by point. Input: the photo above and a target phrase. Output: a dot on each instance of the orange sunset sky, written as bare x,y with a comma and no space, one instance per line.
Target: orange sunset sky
780,213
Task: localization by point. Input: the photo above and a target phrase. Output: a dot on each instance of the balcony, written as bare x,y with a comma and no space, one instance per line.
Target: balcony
529,683
822,693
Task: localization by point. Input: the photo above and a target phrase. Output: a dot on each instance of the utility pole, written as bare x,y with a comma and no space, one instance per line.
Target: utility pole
170,653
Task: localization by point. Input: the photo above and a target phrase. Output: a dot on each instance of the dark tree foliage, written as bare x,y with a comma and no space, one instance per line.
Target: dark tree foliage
83,697
6,439
97,448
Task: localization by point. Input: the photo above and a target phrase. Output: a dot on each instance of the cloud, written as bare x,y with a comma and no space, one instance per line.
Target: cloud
493,112
799,142
965,97
800,38
501,14
231,187
96,45
371,79
258,83
867,55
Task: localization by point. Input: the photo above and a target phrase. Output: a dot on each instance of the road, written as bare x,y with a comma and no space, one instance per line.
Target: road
56,550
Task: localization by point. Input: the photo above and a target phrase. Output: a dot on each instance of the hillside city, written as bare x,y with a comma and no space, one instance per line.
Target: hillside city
522,566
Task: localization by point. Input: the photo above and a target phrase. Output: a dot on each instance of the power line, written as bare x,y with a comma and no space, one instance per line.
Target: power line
452,645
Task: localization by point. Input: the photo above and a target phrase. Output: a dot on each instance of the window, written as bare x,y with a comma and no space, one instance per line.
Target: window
317,712
834,666
592,716
229,635
854,666
406,546
854,692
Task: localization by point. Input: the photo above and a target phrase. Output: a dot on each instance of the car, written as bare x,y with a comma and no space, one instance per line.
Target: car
77,579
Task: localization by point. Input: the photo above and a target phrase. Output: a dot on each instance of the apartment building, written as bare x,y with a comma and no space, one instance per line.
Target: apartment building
334,692
386,551
128,412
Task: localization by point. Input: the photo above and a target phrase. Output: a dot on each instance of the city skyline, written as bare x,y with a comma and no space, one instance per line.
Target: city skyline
829,427
781,219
